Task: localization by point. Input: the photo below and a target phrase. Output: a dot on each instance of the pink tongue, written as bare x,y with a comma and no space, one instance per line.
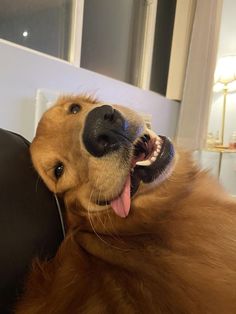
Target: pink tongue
121,205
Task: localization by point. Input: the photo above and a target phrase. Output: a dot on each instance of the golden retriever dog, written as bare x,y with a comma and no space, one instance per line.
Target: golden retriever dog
147,231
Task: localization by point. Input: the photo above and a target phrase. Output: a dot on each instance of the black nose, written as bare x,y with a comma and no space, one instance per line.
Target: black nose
104,131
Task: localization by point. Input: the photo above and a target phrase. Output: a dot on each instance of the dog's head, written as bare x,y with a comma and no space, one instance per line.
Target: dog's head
99,155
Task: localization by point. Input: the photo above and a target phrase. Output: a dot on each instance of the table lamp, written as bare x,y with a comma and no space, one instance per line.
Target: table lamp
225,81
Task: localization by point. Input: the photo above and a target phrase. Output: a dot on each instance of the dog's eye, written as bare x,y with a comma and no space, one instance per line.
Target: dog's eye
74,108
58,170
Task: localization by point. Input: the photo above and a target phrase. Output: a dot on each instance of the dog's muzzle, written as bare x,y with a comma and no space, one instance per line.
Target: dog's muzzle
105,131
151,156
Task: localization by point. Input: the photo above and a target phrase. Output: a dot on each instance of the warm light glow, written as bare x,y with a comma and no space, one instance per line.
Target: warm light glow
218,87
25,34
231,86
225,73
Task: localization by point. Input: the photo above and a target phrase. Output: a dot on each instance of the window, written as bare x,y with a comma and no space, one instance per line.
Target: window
41,25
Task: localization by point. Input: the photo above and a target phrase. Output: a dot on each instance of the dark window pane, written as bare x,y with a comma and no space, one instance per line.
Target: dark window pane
110,37
41,25
162,45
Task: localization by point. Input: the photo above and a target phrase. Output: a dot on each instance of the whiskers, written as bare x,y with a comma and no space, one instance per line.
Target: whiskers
93,215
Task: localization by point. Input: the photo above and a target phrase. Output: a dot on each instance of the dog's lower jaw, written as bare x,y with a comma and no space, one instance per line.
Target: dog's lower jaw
165,175
93,208
106,205
131,175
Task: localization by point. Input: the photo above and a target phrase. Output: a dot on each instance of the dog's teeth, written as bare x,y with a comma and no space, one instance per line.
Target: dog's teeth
144,163
155,153
153,159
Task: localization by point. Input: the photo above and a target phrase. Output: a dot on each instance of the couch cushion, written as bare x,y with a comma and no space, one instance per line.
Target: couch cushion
30,224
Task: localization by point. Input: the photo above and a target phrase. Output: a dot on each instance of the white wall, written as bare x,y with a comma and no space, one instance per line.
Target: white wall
227,42
227,172
23,71
227,46
215,120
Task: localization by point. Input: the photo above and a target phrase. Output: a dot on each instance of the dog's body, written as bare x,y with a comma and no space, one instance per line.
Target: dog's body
174,253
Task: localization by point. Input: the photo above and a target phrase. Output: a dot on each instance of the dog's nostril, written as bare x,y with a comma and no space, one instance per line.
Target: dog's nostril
109,116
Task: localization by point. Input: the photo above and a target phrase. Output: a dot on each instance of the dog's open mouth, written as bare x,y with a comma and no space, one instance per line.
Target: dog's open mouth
152,155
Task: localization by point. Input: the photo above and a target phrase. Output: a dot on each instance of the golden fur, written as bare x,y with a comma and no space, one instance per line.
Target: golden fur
174,253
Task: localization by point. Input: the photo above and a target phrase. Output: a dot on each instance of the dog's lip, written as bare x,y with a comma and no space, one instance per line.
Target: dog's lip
154,167
147,148
134,187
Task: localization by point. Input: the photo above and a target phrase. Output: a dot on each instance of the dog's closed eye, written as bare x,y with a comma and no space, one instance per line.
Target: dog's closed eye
74,108
58,170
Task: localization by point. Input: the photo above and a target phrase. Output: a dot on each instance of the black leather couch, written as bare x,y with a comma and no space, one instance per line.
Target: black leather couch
30,218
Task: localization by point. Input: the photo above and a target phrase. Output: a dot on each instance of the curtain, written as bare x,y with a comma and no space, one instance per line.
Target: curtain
197,93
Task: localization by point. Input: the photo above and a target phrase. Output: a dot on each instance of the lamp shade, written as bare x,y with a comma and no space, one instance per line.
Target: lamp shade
225,73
